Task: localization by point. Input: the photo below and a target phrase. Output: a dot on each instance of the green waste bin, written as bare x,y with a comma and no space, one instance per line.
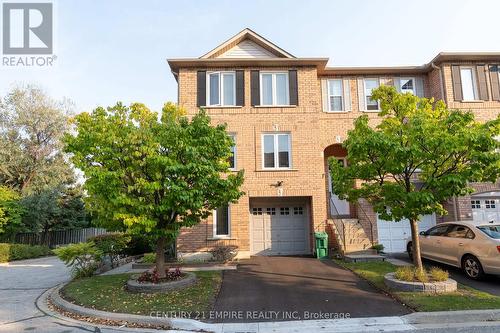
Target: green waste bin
321,239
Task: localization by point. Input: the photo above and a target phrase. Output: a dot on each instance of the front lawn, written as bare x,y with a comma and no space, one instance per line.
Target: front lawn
465,298
107,293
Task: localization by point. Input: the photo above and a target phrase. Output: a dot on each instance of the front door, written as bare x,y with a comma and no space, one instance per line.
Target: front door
337,206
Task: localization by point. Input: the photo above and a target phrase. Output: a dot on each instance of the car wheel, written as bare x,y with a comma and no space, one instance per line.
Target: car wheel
472,267
409,249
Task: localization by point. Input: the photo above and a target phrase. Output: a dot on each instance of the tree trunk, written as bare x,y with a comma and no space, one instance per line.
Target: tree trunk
160,257
417,260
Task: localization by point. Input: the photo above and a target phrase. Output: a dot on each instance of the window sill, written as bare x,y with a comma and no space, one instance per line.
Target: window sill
221,238
221,107
274,106
335,112
276,169
474,101
371,111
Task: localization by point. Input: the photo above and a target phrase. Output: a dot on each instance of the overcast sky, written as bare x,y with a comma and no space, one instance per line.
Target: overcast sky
110,51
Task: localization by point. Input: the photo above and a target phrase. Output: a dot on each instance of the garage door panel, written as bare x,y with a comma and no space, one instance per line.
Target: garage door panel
394,235
283,233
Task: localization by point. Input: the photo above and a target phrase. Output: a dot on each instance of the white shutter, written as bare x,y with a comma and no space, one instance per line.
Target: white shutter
361,94
324,95
397,84
419,87
346,84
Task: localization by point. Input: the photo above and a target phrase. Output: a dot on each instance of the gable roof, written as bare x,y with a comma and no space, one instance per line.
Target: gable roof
243,38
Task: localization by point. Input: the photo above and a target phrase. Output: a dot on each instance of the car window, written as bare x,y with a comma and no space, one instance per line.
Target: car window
492,231
458,231
439,230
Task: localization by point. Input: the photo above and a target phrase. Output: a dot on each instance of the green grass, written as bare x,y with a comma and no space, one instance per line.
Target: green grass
107,293
465,298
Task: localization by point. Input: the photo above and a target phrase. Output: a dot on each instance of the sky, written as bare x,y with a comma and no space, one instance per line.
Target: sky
116,50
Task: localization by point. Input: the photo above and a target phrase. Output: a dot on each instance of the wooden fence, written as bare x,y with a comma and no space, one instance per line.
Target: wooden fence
60,237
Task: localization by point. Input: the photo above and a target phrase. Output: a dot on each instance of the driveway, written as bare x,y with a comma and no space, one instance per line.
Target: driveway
491,284
291,288
21,283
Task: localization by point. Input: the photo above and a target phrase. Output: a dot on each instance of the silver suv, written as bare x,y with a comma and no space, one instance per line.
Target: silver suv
472,246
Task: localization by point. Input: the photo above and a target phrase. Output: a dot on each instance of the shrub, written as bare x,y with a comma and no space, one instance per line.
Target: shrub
111,245
224,253
154,277
405,273
149,258
83,258
139,244
10,252
378,247
421,275
438,274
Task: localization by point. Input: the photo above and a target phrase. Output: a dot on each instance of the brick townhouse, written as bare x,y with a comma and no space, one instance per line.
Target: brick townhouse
288,116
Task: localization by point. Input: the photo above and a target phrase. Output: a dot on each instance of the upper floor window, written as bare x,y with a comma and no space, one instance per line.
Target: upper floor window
232,158
370,84
335,95
274,88
221,89
407,85
469,89
222,222
276,151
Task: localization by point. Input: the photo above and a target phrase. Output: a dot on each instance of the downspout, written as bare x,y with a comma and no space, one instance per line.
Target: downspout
441,81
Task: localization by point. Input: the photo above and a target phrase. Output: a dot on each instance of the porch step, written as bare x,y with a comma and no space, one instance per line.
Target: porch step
351,237
363,257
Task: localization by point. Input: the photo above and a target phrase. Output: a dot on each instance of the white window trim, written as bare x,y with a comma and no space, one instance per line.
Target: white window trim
276,152
273,84
221,88
366,97
214,220
474,84
341,95
414,84
233,136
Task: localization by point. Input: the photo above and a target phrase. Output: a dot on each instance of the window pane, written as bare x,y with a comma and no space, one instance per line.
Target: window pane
335,87
406,85
267,89
269,151
335,103
228,84
370,84
467,84
282,89
283,151
214,89
222,221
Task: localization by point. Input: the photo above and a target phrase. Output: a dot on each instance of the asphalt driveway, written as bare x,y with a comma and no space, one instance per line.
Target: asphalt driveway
491,283
291,288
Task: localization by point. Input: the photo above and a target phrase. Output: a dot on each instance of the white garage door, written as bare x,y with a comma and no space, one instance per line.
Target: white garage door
485,209
394,235
279,230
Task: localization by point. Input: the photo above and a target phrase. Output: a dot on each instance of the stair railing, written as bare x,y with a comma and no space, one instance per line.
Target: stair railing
369,220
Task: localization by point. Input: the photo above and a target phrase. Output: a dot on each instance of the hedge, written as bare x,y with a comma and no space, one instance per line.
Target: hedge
10,252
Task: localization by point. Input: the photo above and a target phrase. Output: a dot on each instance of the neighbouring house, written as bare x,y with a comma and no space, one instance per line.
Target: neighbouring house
288,116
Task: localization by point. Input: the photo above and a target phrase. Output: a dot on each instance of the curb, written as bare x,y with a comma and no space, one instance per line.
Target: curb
445,317
173,323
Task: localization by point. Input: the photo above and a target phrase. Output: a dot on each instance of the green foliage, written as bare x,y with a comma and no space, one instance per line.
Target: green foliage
149,176
10,211
54,209
10,252
83,258
139,244
405,273
111,245
31,126
419,155
378,247
149,258
438,274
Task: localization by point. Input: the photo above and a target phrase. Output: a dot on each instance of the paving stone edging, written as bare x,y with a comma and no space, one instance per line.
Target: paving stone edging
433,287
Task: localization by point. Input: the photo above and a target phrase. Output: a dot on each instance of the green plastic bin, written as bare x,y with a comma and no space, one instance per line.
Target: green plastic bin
321,241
